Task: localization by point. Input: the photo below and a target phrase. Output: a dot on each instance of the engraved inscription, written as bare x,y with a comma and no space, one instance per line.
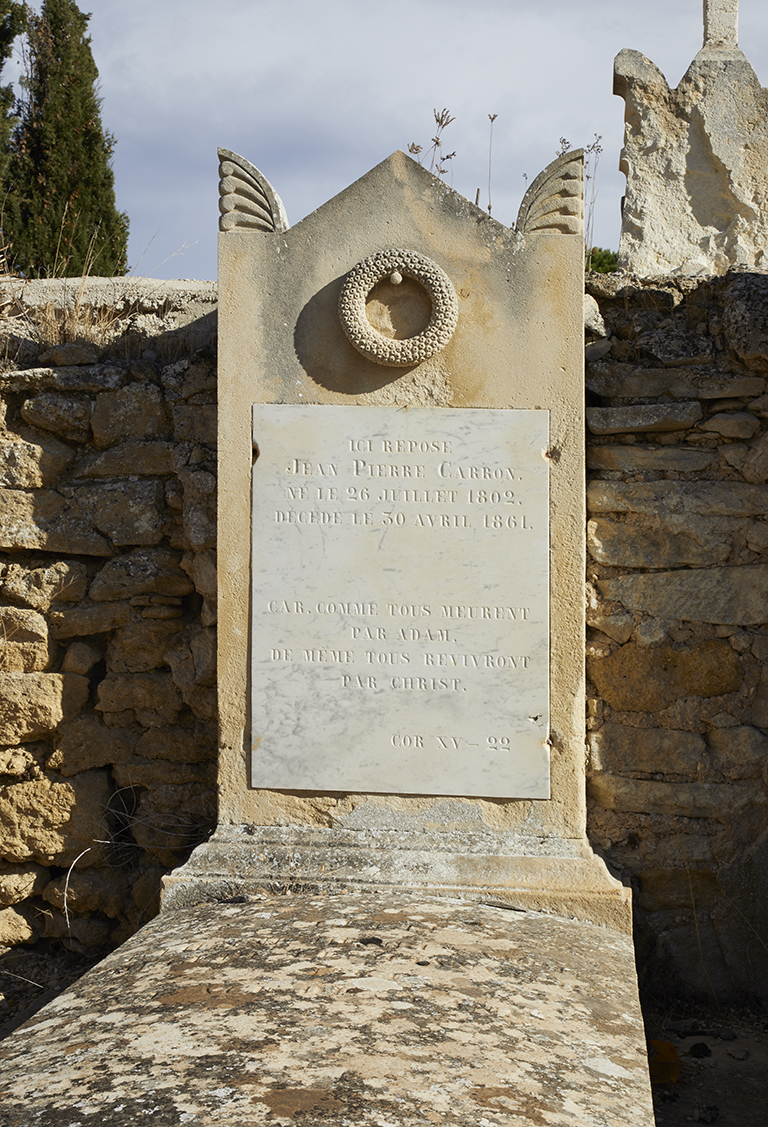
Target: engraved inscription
400,589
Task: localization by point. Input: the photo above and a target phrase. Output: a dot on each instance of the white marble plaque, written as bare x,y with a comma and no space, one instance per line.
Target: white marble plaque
400,614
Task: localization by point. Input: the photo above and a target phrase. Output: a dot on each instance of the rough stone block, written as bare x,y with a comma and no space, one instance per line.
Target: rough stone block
734,596
34,704
136,411
650,418
745,320
86,743
631,459
759,406
95,619
83,933
732,424
67,415
740,752
15,928
89,891
617,750
653,545
196,474
52,822
19,624
76,353
80,658
593,320
73,379
651,631
757,536
721,801
193,669
145,893
200,524
157,772
177,744
676,347
18,882
141,646
203,702
754,468
29,463
734,453
119,719
143,459
209,612
203,647
187,378
640,679
62,582
161,612
23,641
152,697
171,819
201,567
616,626
128,512
598,349
22,762
686,498
182,668
687,848
192,423
760,703
627,381
49,522
153,571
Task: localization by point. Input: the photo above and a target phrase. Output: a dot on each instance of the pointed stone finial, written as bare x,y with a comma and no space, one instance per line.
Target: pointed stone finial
721,23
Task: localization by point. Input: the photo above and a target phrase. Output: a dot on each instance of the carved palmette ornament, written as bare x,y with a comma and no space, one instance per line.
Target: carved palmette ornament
246,198
397,264
555,200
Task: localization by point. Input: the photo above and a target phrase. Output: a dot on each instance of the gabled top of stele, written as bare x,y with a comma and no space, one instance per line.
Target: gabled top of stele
554,201
695,159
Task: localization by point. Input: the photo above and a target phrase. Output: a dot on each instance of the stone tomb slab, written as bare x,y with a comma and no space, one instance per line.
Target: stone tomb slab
400,614
357,1008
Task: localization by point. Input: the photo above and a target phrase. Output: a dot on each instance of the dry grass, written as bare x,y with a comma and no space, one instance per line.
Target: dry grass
78,324
57,322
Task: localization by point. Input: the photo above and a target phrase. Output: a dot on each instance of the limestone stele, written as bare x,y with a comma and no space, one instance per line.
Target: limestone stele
401,545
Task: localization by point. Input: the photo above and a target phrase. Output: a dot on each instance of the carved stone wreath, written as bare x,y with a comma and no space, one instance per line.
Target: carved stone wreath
397,264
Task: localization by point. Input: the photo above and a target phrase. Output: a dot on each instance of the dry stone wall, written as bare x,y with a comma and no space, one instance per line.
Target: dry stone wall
107,601
108,610
677,609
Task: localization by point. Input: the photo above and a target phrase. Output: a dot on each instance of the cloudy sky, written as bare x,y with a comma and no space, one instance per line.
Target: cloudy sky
315,94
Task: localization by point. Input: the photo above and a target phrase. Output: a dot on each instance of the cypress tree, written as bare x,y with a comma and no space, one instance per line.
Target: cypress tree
60,217
12,20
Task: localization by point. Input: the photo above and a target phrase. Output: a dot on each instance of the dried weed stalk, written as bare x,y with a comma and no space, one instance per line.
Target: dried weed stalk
437,158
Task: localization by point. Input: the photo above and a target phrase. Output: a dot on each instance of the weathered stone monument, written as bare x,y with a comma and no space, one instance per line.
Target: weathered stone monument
695,158
401,547
399,918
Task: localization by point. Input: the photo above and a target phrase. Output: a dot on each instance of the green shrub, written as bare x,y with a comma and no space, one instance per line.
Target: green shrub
598,260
